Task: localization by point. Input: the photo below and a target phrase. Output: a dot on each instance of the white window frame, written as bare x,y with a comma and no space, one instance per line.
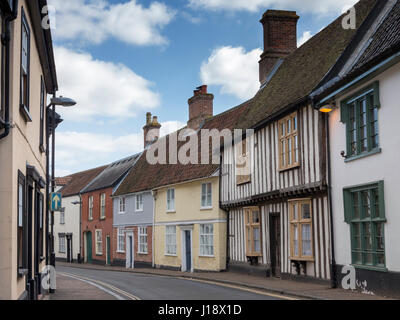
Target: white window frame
203,247
61,244
172,253
139,206
121,240
103,206
98,252
90,208
62,216
122,205
171,200
207,196
142,233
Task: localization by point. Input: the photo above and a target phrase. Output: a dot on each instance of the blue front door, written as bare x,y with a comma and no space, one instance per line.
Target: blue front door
188,245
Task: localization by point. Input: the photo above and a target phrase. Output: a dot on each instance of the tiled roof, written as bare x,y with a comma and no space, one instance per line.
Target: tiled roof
112,175
77,181
145,176
302,70
386,38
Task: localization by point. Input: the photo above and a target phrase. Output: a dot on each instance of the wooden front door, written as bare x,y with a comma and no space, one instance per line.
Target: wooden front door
275,241
89,247
108,250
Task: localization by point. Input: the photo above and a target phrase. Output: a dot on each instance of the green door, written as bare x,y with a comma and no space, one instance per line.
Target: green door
89,247
108,243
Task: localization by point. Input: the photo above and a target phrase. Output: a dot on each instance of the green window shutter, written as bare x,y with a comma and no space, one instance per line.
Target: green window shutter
348,207
377,101
381,186
343,112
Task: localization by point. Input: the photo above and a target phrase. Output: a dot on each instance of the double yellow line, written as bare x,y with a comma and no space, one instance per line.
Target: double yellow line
255,291
102,284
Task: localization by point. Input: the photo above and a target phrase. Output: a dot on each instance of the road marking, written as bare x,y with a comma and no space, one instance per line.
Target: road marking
260,292
102,286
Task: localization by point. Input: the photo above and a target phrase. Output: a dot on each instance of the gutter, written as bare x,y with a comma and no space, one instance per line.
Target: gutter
5,40
384,65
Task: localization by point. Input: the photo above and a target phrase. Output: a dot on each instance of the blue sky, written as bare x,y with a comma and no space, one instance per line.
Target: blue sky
120,59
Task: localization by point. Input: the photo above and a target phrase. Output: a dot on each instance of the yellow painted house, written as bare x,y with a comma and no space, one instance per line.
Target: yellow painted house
190,229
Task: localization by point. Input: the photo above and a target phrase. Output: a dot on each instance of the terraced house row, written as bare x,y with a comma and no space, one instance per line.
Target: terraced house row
321,190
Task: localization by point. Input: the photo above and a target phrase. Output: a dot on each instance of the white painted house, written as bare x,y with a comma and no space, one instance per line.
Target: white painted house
67,223
364,93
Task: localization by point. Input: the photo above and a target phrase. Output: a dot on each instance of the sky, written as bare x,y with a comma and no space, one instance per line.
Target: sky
120,59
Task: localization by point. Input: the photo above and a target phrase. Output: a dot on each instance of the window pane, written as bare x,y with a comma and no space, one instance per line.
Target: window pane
256,239
296,240
366,201
380,237
256,217
306,239
295,212
306,211
356,205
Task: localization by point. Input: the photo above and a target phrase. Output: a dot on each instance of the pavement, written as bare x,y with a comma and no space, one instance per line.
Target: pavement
283,288
73,289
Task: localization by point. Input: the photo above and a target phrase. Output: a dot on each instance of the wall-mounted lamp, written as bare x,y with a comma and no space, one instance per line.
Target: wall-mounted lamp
328,108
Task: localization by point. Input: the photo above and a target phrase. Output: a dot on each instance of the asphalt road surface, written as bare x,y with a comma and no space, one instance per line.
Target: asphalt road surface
132,286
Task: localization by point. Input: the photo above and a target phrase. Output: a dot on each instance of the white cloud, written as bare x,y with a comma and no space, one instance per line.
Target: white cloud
234,69
99,149
95,21
307,35
101,88
303,6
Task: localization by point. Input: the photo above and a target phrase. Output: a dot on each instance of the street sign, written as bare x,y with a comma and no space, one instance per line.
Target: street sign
56,201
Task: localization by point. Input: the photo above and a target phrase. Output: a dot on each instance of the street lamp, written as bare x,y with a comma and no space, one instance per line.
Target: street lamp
62,102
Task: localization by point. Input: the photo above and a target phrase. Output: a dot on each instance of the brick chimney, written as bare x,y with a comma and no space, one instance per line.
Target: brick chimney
151,130
280,39
200,107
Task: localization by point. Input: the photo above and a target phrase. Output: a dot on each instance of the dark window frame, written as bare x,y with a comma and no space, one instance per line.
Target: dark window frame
352,114
22,261
25,75
364,219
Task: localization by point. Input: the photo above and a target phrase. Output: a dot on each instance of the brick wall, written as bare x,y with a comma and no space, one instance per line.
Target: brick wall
105,225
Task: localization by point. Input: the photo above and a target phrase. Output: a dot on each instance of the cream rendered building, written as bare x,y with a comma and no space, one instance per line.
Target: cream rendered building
190,234
25,84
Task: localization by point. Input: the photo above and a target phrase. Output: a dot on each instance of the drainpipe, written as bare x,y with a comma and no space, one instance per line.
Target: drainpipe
333,258
5,40
80,228
227,214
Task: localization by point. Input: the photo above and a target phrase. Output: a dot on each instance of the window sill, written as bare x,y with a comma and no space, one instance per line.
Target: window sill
363,155
122,212
370,268
171,211
121,252
302,259
139,211
206,208
171,255
102,219
22,272
295,166
207,257
143,253
99,254
25,112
